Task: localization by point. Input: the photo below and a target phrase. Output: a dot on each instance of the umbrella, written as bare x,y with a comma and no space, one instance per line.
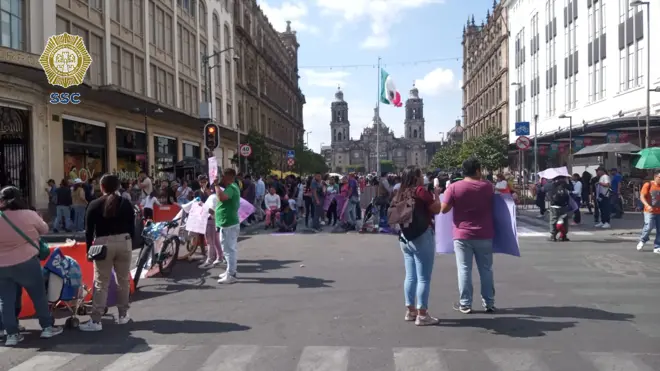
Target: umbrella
649,158
554,172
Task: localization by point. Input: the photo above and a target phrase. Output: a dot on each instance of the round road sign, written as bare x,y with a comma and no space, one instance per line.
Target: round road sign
246,150
523,142
291,161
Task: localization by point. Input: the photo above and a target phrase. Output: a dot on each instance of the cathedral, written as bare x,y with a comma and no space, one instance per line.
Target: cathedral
346,154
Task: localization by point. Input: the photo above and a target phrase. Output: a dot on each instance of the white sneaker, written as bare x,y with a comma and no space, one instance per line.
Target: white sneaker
226,279
656,250
217,262
51,331
640,246
91,326
122,320
599,225
605,226
206,264
13,340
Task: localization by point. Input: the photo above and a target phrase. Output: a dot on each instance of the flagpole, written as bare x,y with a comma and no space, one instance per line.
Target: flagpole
378,124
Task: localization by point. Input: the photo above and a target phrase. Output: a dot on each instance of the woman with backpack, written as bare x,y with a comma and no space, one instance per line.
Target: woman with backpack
416,241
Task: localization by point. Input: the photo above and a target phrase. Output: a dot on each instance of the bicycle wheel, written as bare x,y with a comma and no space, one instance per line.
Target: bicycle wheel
168,255
145,253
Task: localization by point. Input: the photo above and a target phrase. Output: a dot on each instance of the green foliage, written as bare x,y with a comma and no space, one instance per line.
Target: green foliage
308,161
261,159
490,148
386,166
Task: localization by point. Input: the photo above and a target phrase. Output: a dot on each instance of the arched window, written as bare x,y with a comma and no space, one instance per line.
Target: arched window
227,37
247,24
339,137
202,15
334,134
415,133
216,28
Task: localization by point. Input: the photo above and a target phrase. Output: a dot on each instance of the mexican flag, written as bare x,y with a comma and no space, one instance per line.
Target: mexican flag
388,92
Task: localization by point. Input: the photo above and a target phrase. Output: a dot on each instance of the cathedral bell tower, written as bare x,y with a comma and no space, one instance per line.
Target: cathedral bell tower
414,123
340,127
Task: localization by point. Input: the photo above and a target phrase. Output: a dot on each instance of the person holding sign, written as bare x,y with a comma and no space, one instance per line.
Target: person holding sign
214,256
227,222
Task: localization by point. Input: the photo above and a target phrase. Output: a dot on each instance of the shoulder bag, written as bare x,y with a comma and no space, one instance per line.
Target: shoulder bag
42,246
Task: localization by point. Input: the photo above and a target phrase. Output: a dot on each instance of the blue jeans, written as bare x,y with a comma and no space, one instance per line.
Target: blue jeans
229,244
418,258
28,275
482,251
651,221
19,298
318,213
351,209
79,217
63,212
605,209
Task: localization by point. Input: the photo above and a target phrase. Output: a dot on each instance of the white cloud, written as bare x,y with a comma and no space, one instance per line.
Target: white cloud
294,12
435,81
381,14
326,79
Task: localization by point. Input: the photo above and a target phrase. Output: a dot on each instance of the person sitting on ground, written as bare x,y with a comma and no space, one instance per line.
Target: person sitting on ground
287,222
273,205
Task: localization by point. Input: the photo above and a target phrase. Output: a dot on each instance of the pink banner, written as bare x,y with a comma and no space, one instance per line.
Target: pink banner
245,209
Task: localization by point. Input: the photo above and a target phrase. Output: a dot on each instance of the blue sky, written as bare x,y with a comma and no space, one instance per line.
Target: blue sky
356,32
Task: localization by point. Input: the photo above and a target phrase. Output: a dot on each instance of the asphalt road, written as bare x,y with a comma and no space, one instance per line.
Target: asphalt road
334,302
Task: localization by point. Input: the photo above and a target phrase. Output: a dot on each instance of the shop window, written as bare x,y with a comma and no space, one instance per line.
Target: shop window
131,153
191,150
165,156
84,150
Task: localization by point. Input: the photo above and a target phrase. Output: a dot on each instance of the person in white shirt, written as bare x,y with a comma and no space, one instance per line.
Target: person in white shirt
145,185
273,205
603,192
147,204
577,196
183,193
259,193
214,256
502,186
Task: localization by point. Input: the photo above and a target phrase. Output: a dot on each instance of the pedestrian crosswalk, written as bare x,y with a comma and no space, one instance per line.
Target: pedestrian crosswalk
145,357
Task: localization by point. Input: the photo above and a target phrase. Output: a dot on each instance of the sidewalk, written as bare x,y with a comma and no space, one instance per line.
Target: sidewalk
630,223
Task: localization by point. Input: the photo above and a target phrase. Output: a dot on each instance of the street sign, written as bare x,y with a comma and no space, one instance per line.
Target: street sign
291,162
522,128
523,143
290,154
246,150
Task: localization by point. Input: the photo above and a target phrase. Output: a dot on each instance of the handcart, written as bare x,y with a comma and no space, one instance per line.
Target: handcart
64,286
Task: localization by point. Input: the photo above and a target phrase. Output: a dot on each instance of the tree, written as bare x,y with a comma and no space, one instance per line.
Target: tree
386,166
448,157
261,159
308,161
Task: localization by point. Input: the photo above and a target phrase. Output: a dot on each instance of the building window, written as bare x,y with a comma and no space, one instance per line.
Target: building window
218,111
597,52
165,155
84,150
216,28
154,27
170,89
131,150
551,58
202,16
96,51
230,116
139,75
161,86
167,31
127,68
137,20
227,37
153,78
114,57
631,47
191,150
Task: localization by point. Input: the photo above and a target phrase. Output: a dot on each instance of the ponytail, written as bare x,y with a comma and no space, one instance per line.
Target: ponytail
111,200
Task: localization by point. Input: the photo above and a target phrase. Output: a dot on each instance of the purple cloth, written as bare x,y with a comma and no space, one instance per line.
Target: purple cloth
505,240
328,201
245,209
472,203
341,205
572,204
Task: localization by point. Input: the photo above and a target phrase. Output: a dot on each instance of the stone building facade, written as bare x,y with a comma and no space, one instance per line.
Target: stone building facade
346,154
485,73
141,97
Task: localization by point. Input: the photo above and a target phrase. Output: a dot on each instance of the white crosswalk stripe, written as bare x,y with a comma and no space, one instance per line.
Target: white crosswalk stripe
145,357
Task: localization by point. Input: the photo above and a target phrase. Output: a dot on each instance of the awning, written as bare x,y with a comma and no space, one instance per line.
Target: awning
608,148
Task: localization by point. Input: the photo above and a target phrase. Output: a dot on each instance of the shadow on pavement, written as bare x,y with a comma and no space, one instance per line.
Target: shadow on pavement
568,312
516,327
263,265
119,339
302,281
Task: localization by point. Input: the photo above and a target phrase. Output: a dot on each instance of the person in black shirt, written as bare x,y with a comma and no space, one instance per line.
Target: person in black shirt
109,222
63,202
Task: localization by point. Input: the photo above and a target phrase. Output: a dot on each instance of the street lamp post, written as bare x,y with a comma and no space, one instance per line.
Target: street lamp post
206,63
145,112
639,3
570,140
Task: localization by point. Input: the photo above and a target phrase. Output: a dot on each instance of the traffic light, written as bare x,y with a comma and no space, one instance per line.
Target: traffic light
211,136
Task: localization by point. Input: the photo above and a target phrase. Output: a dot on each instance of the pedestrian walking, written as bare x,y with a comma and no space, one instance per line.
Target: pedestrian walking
650,197
227,222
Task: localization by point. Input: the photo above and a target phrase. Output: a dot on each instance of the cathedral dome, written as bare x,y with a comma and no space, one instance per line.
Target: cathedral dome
339,95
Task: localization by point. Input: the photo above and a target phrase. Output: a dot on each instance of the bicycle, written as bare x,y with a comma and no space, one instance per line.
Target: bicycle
165,257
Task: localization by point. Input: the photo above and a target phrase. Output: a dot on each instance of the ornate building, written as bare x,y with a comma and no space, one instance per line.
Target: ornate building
360,155
485,73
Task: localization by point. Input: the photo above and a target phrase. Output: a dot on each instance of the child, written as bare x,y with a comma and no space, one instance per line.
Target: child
148,205
287,221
